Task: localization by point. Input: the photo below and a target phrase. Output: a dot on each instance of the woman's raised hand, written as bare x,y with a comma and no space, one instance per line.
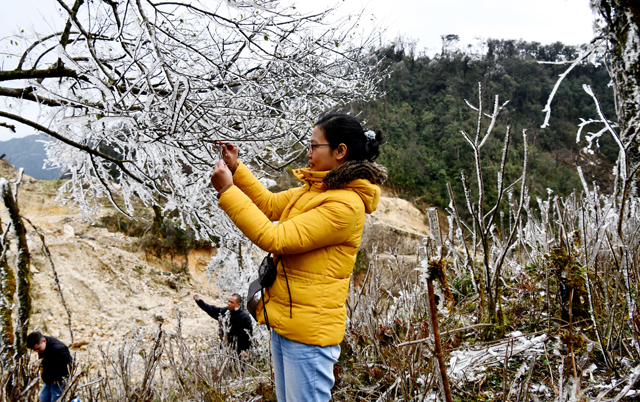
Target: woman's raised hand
222,176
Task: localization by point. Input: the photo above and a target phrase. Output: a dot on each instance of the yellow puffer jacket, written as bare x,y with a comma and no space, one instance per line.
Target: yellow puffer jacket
318,235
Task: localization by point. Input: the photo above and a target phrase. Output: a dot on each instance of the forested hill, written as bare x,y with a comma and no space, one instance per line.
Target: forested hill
424,111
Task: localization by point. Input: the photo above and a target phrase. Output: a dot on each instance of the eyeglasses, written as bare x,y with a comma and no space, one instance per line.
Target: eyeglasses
313,146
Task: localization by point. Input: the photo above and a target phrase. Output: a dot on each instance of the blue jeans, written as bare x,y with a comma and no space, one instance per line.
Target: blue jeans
304,373
51,392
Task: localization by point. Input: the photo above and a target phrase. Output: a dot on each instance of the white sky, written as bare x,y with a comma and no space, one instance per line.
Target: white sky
545,21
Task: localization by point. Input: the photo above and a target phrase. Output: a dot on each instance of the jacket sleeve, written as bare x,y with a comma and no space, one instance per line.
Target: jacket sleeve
327,224
271,204
213,311
248,325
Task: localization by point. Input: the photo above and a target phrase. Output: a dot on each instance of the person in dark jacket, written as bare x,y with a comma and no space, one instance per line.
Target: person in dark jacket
55,364
239,327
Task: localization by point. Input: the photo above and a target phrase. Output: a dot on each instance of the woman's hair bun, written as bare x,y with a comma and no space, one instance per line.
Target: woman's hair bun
375,138
342,128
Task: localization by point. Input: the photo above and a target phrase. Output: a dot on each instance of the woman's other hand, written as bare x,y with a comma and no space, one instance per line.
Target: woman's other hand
222,176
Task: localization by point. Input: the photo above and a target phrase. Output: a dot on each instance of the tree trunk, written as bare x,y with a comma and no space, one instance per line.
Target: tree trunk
7,293
157,221
22,264
621,29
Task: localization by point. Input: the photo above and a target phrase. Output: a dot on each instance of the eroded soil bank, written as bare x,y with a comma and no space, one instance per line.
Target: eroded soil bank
114,290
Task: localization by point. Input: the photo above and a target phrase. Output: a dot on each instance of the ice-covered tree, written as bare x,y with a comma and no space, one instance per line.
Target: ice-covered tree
135,93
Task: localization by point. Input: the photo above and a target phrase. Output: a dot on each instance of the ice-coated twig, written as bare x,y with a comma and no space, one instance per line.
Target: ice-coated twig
605,353
547,107
583,124
451,331
16,184
494,117
469,140
107,189
468,259
631,300
476,108
3,240
523,192
561,379
434,227
503,164
616,137
480,112
585,186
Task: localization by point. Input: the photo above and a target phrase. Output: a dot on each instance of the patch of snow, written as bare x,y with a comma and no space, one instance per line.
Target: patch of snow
539,388
468,364
268,183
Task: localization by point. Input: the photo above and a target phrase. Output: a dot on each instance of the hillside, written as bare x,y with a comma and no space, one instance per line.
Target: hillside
28,153
424,111
114,289
109,285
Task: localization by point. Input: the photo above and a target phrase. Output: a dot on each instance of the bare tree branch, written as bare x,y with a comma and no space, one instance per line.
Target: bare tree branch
27,94
56,71
9,126
76,145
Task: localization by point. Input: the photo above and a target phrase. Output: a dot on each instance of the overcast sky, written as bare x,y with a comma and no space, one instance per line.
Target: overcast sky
545,21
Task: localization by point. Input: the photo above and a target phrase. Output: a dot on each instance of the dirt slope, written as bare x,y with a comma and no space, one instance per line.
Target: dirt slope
109,286
112,289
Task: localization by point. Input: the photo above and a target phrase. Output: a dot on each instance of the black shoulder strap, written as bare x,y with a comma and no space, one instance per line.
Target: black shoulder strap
288,289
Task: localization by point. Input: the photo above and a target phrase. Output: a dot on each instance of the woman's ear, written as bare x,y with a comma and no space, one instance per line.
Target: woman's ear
341,152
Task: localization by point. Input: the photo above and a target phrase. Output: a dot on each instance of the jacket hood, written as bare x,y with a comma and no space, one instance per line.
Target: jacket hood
363,177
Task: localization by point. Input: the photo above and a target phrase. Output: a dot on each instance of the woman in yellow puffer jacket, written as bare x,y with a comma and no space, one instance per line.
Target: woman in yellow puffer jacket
318,236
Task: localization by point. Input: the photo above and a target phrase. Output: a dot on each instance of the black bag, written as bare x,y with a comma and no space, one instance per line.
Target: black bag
267,273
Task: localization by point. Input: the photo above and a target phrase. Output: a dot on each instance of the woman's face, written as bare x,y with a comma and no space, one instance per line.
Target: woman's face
323,157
